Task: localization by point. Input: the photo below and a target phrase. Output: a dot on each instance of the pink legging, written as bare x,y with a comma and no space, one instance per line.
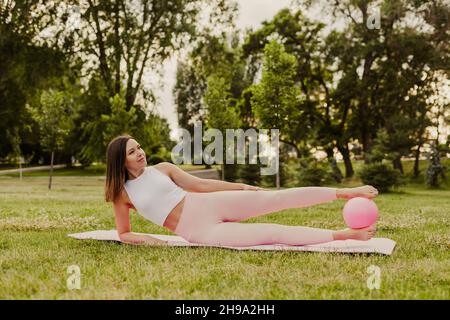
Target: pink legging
211,217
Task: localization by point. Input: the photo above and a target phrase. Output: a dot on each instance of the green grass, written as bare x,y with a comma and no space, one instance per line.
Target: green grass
35,251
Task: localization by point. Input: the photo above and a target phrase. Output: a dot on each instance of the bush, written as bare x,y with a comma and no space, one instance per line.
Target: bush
155,159
313,176
334,171
250,174
160,156
231,172
380,176
435,168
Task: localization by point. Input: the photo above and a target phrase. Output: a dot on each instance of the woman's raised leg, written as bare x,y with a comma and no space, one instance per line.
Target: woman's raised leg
238,205
209,218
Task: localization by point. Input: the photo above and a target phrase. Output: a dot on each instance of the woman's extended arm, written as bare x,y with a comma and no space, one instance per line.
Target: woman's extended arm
122,218
195,184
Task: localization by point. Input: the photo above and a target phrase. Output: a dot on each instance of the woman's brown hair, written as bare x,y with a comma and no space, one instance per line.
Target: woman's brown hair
116,172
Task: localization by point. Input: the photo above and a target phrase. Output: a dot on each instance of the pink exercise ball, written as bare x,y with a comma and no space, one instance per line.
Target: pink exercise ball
360,212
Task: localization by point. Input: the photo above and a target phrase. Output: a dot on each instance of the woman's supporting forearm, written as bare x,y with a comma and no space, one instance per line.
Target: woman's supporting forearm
133,238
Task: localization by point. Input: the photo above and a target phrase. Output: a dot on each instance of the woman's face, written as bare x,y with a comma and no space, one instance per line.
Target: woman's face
135,156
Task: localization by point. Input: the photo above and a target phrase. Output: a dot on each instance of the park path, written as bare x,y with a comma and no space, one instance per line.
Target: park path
29,169
205,173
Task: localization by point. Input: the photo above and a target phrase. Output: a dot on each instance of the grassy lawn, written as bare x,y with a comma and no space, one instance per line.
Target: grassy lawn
35,251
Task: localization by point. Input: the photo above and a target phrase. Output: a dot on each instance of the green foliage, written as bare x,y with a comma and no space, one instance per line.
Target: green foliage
380,149
217,99
250,173
162,154
26,68
435,169
119,120
287,167
133,36
392,144
113,43
190,87
313,175
245,109
54,119
213,80
221,115
87,137
380,176
152,134
101,118
327,89
275,97
231,172
335,172
14,137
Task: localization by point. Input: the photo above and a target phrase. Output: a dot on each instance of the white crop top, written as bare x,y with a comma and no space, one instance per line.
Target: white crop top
154,194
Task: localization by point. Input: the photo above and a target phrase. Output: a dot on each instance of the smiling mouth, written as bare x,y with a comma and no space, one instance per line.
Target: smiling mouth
141,160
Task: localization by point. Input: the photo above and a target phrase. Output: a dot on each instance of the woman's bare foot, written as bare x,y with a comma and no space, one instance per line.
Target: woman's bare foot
357,234
366,191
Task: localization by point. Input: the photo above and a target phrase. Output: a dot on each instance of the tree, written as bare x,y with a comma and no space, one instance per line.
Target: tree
387,68
352,79
53,117
189,89
275,97
211,56
321,125
117,44
221,115
118,40
14,136
26,68
435,168
119,120
301,38
208,55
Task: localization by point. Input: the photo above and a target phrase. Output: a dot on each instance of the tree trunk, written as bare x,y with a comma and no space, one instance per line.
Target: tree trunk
277,179
51,171
223,171
347,161
337,174
416,162
117,48
330,153
366,143
397,162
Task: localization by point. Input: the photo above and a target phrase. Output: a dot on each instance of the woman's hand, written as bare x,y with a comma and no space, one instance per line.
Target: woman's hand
366,191
141,239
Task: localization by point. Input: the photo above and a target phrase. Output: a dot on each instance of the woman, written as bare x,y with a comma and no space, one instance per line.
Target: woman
207,211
